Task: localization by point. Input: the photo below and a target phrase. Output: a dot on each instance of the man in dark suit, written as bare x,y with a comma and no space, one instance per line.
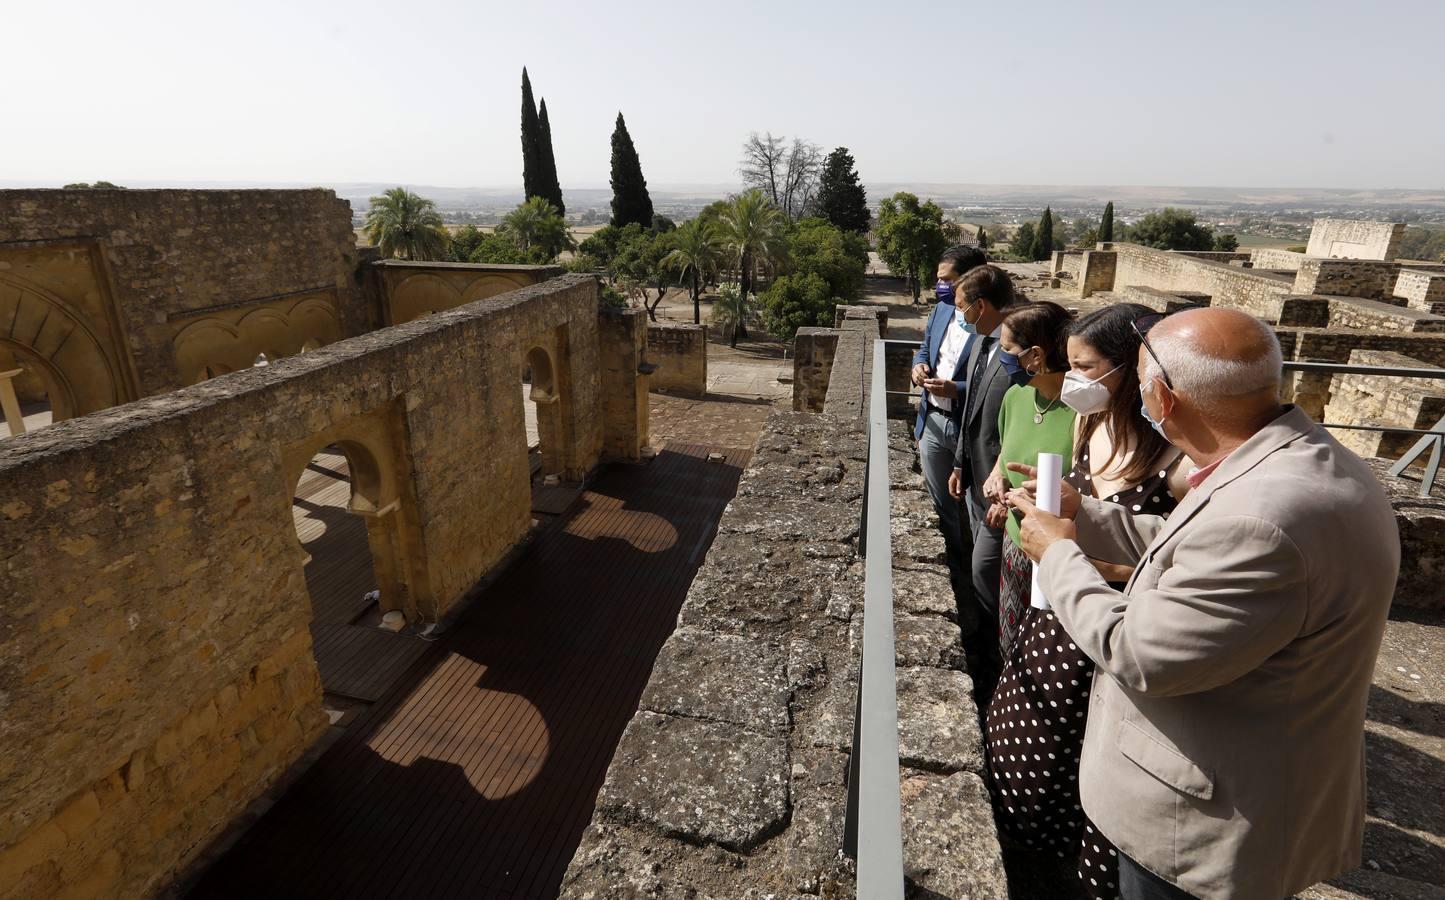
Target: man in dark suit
938,373
987,291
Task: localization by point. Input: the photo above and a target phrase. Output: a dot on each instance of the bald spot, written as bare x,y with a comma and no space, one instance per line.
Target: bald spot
1226,334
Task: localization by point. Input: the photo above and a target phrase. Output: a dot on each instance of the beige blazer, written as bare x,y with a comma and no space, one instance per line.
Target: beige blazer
1224,745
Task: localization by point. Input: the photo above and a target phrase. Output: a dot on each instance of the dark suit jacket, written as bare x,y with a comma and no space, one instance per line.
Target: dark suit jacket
978,438
939,321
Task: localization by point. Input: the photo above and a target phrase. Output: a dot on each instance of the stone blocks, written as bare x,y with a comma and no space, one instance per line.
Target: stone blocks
680,354
1354,239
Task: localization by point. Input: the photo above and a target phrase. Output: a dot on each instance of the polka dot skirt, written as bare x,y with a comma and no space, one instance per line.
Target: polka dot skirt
1035,729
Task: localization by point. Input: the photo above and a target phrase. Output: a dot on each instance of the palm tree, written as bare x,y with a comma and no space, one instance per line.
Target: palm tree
404,224
696,254
537,225
753,227
731,310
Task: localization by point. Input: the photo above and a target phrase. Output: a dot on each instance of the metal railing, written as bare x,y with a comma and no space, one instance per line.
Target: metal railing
873,830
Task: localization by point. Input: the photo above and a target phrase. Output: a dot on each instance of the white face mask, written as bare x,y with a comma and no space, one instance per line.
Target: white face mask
1084,396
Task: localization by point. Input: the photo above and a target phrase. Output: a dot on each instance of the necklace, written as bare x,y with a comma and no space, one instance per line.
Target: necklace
1039,413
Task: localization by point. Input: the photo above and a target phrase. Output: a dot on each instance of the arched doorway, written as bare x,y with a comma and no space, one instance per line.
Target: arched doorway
32,392
542,406
340,573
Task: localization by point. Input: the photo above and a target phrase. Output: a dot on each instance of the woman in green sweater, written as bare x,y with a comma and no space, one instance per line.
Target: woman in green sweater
1032,420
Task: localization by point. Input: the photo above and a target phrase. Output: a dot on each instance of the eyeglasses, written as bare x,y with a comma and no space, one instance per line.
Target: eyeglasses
1141,328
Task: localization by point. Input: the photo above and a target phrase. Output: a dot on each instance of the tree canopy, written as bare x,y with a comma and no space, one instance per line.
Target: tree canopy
549,186
536,225
795,301
532,165
1171,229
787,174
403,224
630,200
1106,224
697,254
1043,245
842,199
911,237
98,186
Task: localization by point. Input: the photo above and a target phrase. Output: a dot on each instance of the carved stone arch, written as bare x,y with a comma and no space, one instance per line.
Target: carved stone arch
268,331
491,285
205,347
420,294
57,388
314,321
44,327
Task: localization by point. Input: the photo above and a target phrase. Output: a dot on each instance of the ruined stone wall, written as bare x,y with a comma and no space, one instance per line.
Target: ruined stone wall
1312,391
730,779
409,290
813,351
1347,278
1279,260
156,657
1097,272
1219,256
1383,400
1355,312
624,380
1161,301
171,255
680,354
1257,293
1354,239
1421,289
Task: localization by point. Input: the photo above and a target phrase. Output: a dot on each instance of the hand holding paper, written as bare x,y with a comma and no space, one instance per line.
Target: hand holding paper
1048,479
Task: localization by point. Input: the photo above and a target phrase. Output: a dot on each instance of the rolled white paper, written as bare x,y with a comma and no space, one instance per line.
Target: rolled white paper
1047,497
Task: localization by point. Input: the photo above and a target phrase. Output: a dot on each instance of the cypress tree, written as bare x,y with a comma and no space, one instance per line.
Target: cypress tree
549,186
841,197
630,200
1106,224
982,239
531,150
1044,237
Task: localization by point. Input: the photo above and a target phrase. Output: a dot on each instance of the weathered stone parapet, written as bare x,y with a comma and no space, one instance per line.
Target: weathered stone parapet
1357,312
1383,400
1276,259
1421,289
730,780
813,351
1258,293
156,657
1422,537
680,353
1312,391
876,313
1161,301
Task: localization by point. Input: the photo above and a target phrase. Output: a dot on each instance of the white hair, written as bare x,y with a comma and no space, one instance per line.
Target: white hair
1209,381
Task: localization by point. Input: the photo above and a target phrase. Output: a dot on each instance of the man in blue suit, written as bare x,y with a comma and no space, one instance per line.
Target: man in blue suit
938,371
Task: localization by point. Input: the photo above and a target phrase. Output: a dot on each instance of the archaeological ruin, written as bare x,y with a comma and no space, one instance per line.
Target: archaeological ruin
329,575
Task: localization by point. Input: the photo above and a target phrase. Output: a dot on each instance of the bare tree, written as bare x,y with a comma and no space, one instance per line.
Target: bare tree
787,175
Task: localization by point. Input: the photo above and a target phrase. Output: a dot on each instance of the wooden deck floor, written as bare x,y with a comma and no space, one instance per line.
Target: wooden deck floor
474,775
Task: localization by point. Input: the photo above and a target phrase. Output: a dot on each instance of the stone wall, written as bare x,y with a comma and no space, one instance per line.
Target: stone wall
680,354
1098,272
1278,260
409,290
1219,256
1347,278
813,351
730,781
1312,391
164,256
1257,293
1383,400
1355,312
1354,239
156,656
625,378
1161,301
1420,289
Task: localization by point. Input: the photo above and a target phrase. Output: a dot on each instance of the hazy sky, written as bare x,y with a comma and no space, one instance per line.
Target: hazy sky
1251,94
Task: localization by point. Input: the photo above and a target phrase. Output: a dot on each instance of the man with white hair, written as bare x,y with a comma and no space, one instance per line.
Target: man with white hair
1224,750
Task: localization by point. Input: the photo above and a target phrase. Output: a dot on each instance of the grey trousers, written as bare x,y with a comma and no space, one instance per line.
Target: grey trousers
987,562
935,454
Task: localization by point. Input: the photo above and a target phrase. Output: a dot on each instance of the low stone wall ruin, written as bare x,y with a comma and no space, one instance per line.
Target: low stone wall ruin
730,781
156,658
1258,293
680,353
1276,259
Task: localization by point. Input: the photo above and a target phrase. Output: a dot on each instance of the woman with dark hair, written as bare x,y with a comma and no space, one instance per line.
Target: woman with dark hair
1035,724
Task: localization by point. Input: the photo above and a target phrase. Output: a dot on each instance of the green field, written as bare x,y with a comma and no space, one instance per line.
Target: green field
1254,241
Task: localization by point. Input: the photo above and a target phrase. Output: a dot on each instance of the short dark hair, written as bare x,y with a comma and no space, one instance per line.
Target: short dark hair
963,258
1042,324
988,282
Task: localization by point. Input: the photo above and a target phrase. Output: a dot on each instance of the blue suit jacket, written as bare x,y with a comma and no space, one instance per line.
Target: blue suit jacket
939,321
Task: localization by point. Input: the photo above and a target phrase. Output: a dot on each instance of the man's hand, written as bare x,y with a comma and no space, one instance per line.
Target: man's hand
920,374
955,484
997,516
1068,497
941,387
1041,530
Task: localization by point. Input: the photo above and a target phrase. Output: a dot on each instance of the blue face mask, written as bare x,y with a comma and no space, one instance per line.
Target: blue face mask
959,316
1010,362
943,291
1144,408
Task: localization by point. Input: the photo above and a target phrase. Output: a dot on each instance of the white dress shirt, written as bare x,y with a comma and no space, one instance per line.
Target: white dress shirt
954,347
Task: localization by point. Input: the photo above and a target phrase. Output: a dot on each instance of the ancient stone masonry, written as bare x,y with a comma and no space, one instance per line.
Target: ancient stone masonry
1347,278
680,353
410,290
813,351
1259,293
155,652
1422,290
133,270
1354,239
1383,399
730,780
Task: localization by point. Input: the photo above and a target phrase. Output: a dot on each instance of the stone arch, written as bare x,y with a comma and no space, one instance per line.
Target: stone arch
375,496
45,329
551,398
57,389
420,294
484,286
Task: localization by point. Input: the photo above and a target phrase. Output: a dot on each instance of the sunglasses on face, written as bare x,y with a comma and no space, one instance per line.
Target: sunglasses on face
1141,328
